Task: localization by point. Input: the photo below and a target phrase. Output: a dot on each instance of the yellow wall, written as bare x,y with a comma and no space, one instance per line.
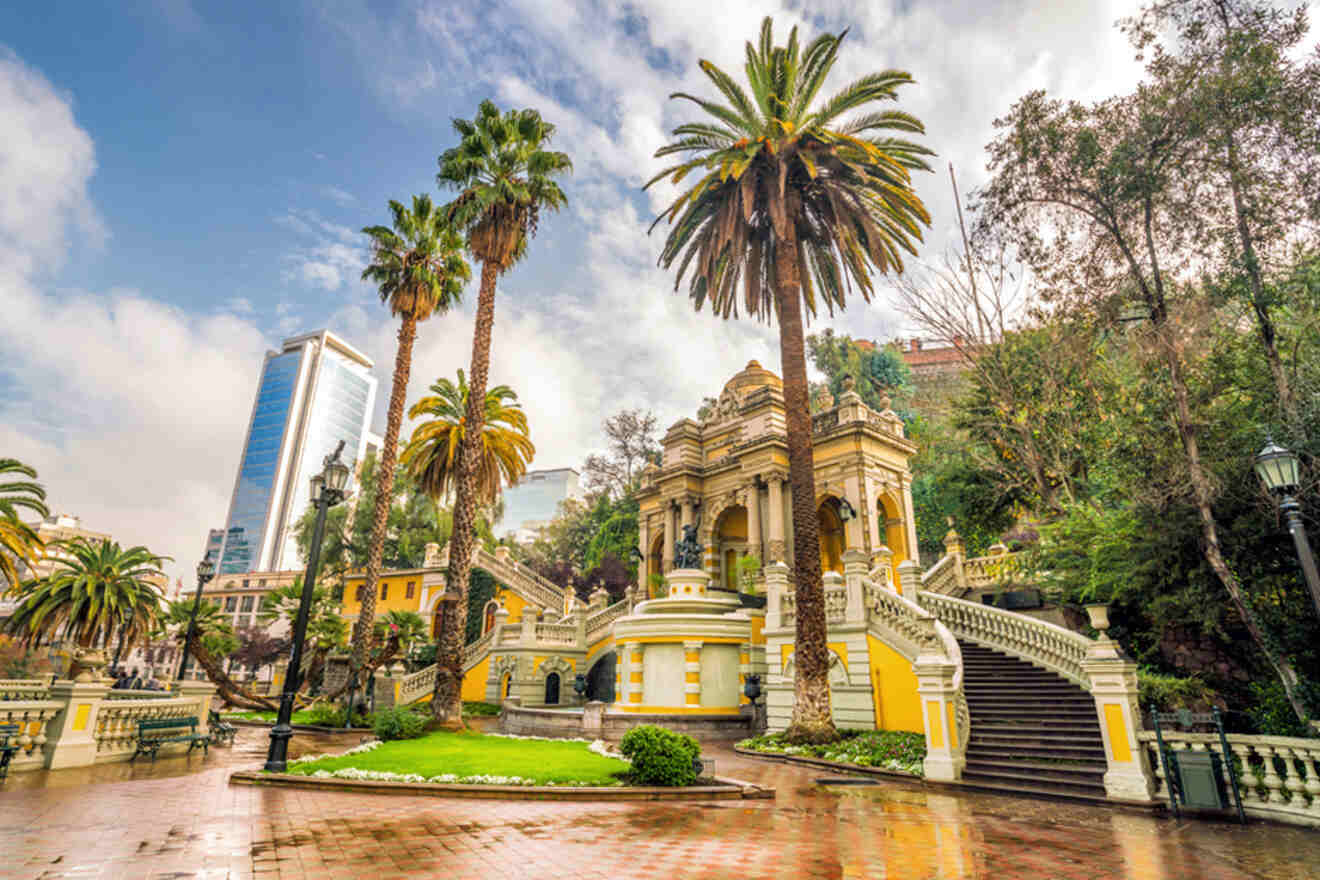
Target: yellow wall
474,681
894,687
396,598
831,536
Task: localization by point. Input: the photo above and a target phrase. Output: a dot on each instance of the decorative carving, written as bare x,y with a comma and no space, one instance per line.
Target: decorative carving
555,664
725,408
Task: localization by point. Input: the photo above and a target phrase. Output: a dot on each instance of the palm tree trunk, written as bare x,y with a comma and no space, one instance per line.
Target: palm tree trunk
811,687
384,488
226,687
447,700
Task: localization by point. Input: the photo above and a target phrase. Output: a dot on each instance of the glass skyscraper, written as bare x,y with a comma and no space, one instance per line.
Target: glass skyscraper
314,392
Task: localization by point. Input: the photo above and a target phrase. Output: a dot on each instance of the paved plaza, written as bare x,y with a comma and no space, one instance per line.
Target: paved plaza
179,820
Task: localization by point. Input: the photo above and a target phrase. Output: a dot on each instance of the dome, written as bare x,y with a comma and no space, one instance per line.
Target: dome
752,376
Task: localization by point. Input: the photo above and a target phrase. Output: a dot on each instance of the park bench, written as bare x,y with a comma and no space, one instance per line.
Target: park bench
221,730
152,733
8,745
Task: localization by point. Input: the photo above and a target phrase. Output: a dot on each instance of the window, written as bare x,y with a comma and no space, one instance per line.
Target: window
409,590
246,581
361,592
247,604
261,582
384,591
245,621
231,602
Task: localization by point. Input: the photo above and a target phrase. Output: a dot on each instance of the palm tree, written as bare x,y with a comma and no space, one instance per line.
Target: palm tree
505,178
430,458
19,542
96,591
419,268
403,627
798,206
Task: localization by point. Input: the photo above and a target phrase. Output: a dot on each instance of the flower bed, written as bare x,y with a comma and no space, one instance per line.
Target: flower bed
895,750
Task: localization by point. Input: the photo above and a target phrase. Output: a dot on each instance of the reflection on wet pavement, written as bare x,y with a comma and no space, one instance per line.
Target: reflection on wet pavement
181,819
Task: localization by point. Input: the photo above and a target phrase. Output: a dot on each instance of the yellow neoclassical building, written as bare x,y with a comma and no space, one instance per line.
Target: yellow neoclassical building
728,475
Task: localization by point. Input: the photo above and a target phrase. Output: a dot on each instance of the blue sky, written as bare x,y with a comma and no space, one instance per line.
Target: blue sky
182,185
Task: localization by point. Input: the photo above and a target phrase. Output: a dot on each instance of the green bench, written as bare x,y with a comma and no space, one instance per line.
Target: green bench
152,733
8,745
221,730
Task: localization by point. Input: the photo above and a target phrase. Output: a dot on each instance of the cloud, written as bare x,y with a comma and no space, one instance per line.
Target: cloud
132,411
330,255
340,196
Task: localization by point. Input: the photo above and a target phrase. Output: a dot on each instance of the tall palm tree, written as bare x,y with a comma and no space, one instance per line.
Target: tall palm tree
505,177
418,266
797,205
19,542
97,590
431,456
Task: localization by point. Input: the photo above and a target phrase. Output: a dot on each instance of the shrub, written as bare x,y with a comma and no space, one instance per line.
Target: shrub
1169,693
887,749
398,723
660,756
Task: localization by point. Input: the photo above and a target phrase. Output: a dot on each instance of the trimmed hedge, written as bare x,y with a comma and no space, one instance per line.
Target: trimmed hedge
660,756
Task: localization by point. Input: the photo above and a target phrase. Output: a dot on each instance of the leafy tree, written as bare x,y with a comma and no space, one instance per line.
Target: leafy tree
406,628
19,543
419,268
632,444
795,203
258,648
96,591
505,178
878,371
430,457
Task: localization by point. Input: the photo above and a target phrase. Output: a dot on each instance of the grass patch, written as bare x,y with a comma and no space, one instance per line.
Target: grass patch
302,716
442,756
887,749
477,709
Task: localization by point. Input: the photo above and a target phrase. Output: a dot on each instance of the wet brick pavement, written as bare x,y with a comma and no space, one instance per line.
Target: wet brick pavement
182,819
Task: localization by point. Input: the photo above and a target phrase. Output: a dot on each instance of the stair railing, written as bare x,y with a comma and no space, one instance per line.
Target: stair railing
1039,642
417,685
599,622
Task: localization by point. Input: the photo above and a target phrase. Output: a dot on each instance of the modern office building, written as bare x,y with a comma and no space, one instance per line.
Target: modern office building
315,391
534,501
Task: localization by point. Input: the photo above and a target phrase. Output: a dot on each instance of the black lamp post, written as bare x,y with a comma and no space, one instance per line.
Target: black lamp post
205,571
1279,469
328,489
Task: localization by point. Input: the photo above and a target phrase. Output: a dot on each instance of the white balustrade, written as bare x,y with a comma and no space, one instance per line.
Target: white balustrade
511,633
905,625
473,652
556,634
600,622
32,717
117,720
1277,775
521,579
24,688
1037,641
942,577
417,685
836,603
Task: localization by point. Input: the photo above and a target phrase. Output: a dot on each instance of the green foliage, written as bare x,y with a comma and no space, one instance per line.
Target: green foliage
19,542
407,626
876,370
589,544
20,661
1270,713
478,709
481,589
1168,693
660,756
748,568
888,749
397,723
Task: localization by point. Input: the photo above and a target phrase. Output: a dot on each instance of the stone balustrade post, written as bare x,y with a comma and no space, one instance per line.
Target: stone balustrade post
909,578
945,755
1114,688
776,585
204,693
531,616
503,554
385,691
580,627
70,736
882,565
854,571
598,600
593,719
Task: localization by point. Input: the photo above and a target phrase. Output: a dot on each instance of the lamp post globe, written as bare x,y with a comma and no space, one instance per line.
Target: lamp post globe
205,571
327,490
1279,470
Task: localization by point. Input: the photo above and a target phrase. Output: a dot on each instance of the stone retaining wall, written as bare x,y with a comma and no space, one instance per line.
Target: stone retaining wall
596,721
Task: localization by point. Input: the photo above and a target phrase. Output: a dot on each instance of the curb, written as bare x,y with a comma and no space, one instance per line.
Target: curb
305,728
822,764
728,789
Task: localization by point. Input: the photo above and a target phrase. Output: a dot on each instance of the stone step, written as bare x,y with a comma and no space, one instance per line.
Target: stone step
995,752
1012,708
1050,695
1084,782
1019,787
1086,771
1028,728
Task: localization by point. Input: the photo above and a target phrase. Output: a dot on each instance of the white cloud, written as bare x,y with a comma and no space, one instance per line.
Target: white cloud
330,255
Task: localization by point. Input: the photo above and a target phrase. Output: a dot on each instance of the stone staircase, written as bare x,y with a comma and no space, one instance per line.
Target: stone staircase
1033,731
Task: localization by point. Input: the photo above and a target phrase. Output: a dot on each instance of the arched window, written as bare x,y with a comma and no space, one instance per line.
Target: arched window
552,689
488,620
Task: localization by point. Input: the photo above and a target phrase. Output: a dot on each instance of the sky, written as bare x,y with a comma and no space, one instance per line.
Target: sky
182,186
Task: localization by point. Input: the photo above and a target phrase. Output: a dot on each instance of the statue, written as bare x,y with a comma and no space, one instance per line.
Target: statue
687,551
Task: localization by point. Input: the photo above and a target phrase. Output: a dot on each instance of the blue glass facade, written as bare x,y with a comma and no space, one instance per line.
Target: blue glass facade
256,481
537,496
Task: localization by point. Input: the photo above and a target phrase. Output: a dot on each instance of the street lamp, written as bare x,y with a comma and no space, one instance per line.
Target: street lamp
328,489
1279,470
205,571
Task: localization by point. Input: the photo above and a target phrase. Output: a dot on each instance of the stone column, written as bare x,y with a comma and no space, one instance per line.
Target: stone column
854,570
531,616
909,578
643,564
775,550
671,536
687,512
853,529
910,521
754,519
945,754
70,737
776,585
1114,687
204,693
692,673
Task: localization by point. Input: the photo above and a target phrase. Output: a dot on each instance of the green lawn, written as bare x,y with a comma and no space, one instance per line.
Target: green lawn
300,717
458,757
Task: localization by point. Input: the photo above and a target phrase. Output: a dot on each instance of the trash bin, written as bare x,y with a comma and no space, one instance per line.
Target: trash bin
1201,777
